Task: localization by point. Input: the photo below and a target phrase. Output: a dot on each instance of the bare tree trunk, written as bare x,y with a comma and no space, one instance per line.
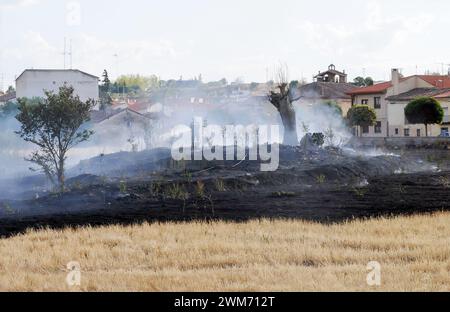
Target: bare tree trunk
283,102
288,117
61,177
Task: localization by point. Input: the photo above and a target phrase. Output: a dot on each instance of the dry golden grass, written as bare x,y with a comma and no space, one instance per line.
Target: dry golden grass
414,253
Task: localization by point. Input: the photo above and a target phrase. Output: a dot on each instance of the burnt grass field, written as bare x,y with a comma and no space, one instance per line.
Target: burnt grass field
323,185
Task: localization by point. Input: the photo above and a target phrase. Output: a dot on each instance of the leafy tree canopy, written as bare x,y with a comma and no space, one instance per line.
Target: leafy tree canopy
53,125
361,115
424,110
363,82
334,106
137,83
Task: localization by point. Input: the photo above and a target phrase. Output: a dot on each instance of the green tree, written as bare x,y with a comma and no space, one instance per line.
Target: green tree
53,125
368,81
424,110
10,90
334,106
105,91
106,83
138,83
294,84
105,100
361,116
363,82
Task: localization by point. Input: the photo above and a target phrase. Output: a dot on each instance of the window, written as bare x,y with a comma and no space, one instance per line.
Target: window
365,129
377,103
364,102
446,115
397,131
418,133
378,127
406,132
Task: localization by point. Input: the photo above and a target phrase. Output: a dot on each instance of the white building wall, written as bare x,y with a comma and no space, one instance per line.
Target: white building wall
392,115
32,83
398,124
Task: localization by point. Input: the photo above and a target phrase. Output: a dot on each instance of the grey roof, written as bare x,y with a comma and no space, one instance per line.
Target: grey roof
56,70
415,93
326,90
100,116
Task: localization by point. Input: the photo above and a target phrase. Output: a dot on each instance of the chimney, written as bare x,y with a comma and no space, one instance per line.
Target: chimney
395,80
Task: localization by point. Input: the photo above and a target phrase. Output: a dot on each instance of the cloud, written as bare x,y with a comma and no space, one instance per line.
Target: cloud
379,35
15,4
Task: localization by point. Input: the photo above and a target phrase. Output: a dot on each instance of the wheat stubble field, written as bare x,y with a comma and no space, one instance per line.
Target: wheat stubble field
414,253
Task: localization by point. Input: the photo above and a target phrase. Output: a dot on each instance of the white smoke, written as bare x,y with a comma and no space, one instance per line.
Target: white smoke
320,118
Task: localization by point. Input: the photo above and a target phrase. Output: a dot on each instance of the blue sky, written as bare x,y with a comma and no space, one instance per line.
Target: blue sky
228,39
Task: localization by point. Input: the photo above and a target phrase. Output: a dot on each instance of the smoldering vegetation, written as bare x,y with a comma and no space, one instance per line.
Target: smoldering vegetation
126,172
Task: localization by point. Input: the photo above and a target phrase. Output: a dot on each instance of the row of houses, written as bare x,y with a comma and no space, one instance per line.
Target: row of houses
388,99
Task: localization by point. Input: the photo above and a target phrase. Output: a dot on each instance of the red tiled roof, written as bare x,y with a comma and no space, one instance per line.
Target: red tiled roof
377,88
139,106
437,81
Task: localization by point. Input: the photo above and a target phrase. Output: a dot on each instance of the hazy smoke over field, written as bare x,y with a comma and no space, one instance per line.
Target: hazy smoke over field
317,118
13,150
164,125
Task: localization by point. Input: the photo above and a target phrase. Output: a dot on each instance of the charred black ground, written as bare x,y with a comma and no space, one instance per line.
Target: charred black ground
324,185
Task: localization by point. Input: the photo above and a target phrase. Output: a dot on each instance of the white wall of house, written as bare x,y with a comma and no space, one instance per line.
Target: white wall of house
392,115
406,85
398,126
32,83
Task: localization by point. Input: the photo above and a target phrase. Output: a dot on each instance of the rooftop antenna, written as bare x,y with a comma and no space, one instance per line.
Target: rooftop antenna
64,53
116,56
443,67
70,54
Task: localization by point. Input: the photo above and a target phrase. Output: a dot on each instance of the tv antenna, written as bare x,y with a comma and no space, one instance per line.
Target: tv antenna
67,53
442,68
